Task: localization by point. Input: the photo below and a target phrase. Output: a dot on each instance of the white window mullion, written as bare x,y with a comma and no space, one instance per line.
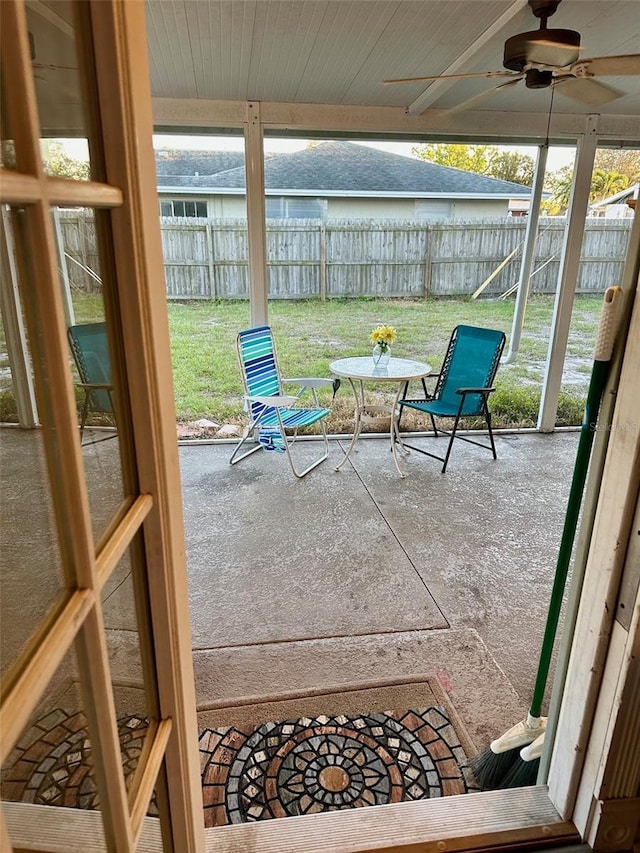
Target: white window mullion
16,339
256,225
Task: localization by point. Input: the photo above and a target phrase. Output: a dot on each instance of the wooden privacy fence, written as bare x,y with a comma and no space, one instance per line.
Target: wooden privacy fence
208,258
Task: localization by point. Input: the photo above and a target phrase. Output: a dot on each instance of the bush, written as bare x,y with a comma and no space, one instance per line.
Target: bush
570,409
8,408
518,408
514,407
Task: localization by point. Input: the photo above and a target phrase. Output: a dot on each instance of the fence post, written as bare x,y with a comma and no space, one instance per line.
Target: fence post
64,270
210,260
84,244
427,264
323,263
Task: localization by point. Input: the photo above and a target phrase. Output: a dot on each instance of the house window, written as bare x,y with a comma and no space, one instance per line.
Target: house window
434,209
182,207
296,208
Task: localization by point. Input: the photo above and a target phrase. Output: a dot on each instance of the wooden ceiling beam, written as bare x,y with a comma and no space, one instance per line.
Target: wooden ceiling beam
438,87
198,115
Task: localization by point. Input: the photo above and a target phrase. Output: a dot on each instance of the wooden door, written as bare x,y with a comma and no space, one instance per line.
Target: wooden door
99,78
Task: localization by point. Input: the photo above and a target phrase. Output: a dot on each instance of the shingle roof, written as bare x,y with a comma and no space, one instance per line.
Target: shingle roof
181,168
345,167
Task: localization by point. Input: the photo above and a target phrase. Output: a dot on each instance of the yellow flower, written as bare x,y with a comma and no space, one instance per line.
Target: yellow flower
384,335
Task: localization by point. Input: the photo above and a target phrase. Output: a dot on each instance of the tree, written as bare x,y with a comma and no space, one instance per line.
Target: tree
512,166
57,162
482,159
624,161
559,185
469,158
603,185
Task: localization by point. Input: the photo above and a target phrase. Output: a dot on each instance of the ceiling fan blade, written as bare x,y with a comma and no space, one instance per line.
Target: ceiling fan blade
609,66
587,91
554,44
484,95
449,77
546,52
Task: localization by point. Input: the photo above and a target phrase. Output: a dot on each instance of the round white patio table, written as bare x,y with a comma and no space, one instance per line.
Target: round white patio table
363,369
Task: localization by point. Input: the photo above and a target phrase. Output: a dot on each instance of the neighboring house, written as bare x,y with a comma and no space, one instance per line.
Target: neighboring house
333,180
179,170
618,206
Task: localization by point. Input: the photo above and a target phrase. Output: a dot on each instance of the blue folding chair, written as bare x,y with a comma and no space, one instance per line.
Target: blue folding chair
463,385
88,342
275,417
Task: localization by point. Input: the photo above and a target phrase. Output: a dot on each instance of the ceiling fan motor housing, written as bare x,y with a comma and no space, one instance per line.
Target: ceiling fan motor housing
543,47
535,79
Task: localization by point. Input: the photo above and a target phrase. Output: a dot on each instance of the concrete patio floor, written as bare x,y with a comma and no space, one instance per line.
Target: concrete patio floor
355,577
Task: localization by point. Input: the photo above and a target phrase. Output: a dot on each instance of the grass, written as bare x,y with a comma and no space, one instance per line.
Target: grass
310,334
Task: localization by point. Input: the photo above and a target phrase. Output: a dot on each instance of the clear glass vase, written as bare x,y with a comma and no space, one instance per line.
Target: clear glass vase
381,355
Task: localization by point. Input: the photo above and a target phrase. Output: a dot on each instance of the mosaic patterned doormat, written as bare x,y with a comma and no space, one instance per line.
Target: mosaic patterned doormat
51,766
325,763
296,766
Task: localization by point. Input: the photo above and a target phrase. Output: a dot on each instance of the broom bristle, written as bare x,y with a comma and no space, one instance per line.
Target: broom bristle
490,768
522,774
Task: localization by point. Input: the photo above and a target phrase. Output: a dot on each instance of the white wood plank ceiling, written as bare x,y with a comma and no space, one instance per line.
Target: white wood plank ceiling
339,51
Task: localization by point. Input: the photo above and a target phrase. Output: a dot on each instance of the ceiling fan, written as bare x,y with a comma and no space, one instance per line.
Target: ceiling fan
550,57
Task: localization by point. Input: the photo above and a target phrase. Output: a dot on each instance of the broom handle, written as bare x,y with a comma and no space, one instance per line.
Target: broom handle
600,370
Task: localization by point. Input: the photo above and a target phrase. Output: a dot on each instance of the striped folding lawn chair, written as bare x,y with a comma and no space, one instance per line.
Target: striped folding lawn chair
275,417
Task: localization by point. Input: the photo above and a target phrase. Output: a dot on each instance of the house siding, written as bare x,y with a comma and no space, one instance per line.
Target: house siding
467,208
405,208
227,206
234,207
370,208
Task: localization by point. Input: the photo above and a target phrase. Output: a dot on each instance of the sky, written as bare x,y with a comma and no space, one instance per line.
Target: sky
77,148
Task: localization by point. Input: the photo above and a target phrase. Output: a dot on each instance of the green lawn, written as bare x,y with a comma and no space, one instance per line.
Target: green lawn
310,334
